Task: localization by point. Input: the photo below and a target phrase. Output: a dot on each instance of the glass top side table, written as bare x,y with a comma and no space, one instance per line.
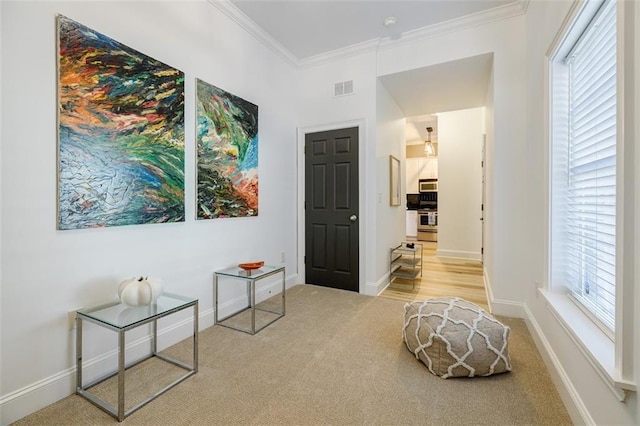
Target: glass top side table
251,278
120,318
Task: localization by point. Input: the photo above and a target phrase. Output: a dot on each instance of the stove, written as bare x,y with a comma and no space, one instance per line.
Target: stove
428,225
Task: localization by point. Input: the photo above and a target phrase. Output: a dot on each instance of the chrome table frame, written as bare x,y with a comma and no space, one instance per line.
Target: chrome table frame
251,277
92,315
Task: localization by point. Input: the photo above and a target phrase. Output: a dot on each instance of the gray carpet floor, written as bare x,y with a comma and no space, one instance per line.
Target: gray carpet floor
336,358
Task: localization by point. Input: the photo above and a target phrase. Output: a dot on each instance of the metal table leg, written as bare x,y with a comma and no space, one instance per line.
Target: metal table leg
215,311
252,284
196,329
121,367
78,354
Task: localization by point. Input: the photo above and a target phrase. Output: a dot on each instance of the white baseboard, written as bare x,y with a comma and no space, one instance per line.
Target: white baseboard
35,396
29,399
25,401
487,288
38,395
570,397
568,393
263,292
503,307
507,308
374,289
473,255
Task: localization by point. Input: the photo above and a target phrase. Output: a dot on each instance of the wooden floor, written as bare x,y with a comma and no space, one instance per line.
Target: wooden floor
441,277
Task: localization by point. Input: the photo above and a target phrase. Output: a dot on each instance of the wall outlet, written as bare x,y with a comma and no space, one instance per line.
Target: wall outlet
282,257
72,318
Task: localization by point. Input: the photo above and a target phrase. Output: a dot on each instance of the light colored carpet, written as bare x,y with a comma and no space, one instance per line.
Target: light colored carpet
336,358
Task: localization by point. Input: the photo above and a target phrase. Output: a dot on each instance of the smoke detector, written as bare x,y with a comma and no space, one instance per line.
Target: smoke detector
389,21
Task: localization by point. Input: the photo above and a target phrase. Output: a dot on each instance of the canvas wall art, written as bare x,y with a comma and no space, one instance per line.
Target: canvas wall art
227,154
120,133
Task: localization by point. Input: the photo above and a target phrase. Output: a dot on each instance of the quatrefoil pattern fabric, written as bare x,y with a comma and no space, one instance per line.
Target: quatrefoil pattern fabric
456,338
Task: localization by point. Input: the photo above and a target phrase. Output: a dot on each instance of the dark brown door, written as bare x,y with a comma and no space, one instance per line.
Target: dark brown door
331,217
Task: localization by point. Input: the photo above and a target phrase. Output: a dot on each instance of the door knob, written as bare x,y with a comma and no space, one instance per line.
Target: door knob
353,218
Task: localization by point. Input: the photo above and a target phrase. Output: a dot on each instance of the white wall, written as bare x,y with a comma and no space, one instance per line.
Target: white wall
46,273
487,241
1,184
508,164
390,140
380,224
503,38
319,110
587,395
460,183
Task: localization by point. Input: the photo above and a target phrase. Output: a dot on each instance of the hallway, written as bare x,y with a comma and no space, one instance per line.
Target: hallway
442,277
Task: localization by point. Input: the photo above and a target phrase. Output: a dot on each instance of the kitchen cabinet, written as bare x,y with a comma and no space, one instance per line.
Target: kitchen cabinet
420,168
412,224
405,261
412,174
430,170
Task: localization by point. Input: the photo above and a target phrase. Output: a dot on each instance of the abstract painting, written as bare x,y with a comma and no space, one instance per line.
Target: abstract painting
227,145
120,133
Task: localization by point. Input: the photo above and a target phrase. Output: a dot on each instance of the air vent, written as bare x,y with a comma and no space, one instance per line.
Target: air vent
343,88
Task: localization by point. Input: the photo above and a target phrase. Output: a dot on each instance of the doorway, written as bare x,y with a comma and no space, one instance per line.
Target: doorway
331,209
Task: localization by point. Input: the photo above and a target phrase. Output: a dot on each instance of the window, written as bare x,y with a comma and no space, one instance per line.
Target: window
584,165
592,274
591,167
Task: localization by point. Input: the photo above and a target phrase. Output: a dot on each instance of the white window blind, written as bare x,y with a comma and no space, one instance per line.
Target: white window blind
591,167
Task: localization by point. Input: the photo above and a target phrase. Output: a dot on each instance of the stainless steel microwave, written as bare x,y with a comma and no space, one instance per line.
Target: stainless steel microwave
428,185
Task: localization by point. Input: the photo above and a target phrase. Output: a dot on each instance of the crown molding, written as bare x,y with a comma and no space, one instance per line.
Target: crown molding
509,10
240,18
485,17
343,52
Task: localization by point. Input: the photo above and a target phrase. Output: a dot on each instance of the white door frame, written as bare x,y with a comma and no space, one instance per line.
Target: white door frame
362,246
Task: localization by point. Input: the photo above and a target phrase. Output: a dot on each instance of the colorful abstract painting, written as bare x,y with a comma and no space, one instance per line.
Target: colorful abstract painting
227,143
121,133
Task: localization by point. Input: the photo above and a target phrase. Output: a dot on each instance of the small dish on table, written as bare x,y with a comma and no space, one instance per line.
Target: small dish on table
250,266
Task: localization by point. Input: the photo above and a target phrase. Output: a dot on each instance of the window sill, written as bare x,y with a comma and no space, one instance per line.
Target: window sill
597,348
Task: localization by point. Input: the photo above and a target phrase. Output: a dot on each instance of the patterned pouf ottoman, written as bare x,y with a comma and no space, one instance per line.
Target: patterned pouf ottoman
456,338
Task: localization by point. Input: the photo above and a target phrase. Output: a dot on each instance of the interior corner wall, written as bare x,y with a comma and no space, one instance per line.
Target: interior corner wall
46,273
390,140
488,259
586,394
509,164
460,183
319,108
1,144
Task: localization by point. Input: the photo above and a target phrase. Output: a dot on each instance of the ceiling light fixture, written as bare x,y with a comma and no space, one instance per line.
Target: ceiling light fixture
428,145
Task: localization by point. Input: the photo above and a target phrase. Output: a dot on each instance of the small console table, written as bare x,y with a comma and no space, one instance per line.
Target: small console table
405,261
251,277
121,318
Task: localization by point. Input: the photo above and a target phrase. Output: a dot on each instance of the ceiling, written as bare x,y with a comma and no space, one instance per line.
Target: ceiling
312,28
438,88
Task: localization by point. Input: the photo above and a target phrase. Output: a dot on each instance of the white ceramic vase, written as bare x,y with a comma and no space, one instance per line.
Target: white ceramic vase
140,291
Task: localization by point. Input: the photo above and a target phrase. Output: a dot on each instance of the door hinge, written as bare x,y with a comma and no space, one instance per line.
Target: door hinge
482,207
481,250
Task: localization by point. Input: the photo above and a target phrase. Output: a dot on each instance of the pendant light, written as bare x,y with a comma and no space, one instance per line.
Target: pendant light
428,146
